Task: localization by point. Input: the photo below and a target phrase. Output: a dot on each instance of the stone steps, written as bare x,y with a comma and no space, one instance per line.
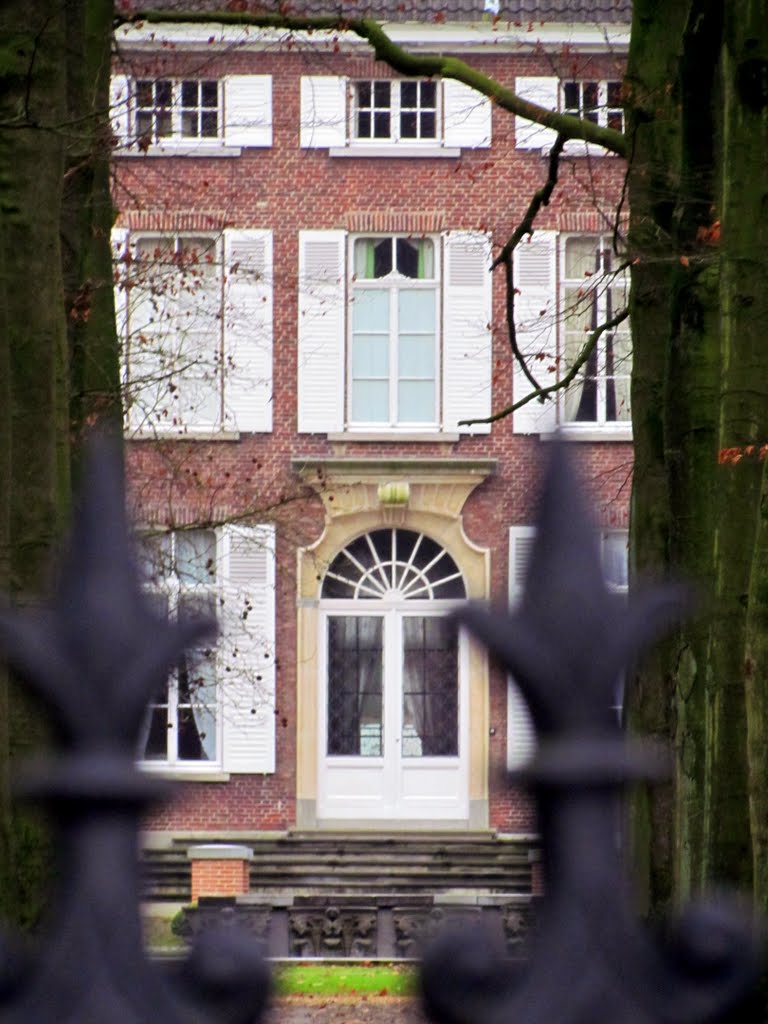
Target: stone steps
337,863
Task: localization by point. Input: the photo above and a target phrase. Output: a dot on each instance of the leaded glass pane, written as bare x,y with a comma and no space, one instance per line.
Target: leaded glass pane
430,687
355,708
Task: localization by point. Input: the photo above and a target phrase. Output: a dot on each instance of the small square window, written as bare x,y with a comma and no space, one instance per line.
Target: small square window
169,109
395,111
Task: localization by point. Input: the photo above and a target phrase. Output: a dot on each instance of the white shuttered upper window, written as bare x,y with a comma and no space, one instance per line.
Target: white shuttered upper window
391,116
394,332
195,315
191,115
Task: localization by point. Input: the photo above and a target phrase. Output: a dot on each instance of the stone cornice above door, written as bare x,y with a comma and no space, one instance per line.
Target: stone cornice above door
350,486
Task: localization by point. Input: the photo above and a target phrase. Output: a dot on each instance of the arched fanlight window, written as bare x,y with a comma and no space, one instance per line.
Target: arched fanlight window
396,564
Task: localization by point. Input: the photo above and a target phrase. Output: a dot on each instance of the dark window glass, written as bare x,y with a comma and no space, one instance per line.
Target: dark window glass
428,125
407,258
571,91
189,94
364,94
590,96
144,93
163,93
364,124
430,687
428,94
614,94
355,685
408,125
209,124
381,124
381,94
210,94
382,258
408,94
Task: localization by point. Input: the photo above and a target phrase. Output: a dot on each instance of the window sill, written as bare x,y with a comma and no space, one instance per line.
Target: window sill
185,149
185,774
181,435
569,432
405,437
396,151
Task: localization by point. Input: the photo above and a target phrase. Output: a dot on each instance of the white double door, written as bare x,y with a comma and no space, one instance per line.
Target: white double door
393,714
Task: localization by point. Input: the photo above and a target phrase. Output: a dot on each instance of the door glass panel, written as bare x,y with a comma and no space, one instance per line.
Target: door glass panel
355,660
430,687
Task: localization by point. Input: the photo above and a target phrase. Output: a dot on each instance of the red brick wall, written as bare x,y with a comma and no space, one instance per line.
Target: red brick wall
287,189
219,878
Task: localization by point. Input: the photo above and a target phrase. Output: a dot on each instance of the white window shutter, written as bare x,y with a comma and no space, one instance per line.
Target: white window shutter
246,649
248,110
248,330
119,110
323,111
466,116
467,337
535,262
321,332
521,737
543,92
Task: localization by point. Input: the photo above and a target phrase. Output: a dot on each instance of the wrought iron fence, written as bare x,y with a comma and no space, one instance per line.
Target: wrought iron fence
99,652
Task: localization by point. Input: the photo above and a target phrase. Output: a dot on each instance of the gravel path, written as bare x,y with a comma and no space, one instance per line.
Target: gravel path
322,1010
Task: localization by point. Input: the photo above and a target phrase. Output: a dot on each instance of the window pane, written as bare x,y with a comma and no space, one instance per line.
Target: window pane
355,721
381,125
614,94
428,94
382,257
209,122
370,356
364,94
154,557
144,93
590,92
407,257
416,310
370,401
428,125
209,94
581,257
408,94
416,401
615,560
370,310
156,745
189,123
408,128
189,94
163,93
381,94
571,93
196,556
416,356
364,124
430,687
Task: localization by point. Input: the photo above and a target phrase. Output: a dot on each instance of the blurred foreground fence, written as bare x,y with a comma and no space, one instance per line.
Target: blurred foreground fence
98,653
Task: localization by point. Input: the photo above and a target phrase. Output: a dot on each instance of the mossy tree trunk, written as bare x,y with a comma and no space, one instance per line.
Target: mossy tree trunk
55,351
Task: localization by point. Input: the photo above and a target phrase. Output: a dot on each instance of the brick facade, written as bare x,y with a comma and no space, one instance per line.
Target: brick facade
287,189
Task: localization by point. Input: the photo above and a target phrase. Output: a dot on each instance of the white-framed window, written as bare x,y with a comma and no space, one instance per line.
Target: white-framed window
394,331
167,108
595,101
395,111
392,117
566,286
195,318
595,287
182,724
192,116
216,710
175,361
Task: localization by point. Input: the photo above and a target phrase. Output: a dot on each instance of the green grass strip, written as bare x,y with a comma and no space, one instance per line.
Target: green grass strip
343,980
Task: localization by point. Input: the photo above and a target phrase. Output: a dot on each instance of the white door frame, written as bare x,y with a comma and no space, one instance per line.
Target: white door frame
392,787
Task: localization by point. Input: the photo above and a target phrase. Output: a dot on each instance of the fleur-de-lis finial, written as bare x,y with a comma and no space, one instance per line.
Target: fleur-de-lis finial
566,646
97,654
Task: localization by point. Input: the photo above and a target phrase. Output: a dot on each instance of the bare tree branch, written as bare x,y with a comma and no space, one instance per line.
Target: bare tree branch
426,65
